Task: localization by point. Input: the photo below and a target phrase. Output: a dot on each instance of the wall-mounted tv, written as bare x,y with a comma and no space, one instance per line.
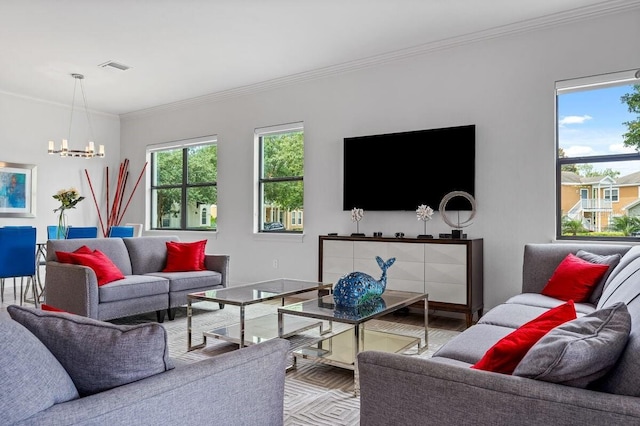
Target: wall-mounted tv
400,171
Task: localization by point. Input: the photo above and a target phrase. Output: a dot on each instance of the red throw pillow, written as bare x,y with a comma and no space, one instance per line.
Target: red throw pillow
504,356
106,271
63,256
183,257
574,279
46,307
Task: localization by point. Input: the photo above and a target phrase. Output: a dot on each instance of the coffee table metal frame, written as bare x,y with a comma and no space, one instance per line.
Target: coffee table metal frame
341,350
249,294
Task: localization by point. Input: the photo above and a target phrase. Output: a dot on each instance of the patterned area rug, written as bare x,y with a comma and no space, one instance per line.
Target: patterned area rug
315,394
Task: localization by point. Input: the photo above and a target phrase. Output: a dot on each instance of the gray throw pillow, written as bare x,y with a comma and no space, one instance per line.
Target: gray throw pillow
98,355
31,379
579,351
611,260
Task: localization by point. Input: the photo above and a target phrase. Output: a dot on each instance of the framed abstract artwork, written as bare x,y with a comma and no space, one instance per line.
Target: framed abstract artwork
17,190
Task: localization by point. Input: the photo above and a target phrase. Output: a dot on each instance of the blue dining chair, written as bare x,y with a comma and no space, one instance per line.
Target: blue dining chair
121,231
82,232
18,259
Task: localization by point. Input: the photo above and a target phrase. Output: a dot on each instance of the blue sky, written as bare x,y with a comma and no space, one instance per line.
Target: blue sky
590,123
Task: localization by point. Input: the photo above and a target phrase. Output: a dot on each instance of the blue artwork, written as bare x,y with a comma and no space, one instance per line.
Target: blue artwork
357,288
13,190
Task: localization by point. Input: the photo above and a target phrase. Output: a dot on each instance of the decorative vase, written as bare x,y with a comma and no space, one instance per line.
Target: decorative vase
62,226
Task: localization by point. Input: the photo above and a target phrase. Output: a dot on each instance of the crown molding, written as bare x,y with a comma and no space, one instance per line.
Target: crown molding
58,104
548,21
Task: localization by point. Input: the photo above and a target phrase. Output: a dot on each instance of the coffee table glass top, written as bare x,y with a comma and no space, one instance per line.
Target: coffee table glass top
259,292
324,308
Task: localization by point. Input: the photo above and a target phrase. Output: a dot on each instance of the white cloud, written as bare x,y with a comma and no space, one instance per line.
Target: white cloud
578,151
619,148
574,119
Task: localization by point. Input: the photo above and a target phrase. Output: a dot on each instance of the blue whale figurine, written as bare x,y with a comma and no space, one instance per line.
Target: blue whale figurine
356,288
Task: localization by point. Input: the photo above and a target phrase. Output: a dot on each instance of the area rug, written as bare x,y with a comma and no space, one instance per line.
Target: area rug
315,394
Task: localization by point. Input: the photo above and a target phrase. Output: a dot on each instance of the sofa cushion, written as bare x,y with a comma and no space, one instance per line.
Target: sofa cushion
132,287
98,355
106,271
574,279
180,281
184,257
148,254
542,301
483,337
32,379
114,248
612,260
541,260
504,356
512,315
580,351
624,377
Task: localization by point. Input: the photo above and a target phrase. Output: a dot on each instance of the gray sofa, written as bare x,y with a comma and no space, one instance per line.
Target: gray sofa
444,390
74,288
242,387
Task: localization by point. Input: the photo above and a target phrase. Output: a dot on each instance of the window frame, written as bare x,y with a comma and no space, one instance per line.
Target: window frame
259,134
184,186
628,77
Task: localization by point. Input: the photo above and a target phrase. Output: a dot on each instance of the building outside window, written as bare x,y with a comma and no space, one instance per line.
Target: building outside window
598,159
280,188
184,192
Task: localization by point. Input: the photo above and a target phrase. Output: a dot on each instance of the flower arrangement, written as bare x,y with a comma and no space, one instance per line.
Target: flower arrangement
356,216
68,199
424,214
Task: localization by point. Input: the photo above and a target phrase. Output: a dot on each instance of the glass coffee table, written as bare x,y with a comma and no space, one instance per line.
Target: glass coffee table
256,330
341,349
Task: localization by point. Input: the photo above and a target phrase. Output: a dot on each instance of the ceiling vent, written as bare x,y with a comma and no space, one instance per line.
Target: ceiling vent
112,64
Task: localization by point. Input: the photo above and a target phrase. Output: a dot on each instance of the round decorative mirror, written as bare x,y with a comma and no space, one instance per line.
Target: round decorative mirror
443,209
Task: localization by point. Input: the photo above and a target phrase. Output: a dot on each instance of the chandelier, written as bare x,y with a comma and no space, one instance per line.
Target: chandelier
89,150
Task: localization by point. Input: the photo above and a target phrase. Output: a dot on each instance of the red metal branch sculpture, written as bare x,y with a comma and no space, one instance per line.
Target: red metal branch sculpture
115,212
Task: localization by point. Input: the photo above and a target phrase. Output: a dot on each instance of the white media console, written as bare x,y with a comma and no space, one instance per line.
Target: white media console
449,270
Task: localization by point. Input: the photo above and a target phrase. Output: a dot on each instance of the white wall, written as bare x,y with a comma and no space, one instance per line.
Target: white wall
26,126
505,86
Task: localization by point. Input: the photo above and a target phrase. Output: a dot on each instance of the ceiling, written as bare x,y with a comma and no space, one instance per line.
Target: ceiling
184,49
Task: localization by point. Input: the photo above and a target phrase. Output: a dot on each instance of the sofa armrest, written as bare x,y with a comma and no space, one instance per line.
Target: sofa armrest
244,386
63,279
397,390
218,263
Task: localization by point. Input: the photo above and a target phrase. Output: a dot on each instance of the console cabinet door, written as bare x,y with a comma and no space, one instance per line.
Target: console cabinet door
446,272
337,260
407,272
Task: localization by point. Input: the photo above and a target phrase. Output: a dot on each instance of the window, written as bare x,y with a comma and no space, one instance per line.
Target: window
598,159
612,194
280,178
184,193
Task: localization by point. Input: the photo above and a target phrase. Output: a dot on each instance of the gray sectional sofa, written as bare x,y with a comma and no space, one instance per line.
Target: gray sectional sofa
444,390
47,362
74,288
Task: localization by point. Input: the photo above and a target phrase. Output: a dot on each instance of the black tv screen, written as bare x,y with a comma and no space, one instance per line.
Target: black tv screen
400,171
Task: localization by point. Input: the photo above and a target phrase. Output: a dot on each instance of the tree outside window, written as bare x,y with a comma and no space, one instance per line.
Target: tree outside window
281,189
184,193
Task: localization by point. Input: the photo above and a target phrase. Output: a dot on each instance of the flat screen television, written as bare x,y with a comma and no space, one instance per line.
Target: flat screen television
400,171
